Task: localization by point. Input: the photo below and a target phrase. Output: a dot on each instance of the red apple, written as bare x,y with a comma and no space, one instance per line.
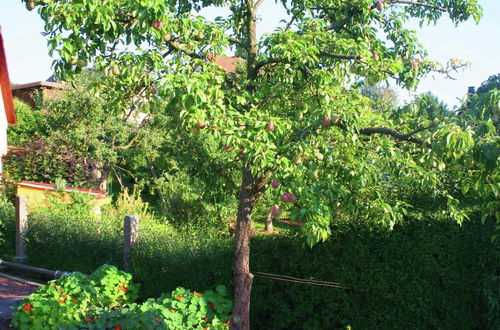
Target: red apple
157,24
292,198
380,5
285,197
270,126
30,5
275,184
327,121
275,210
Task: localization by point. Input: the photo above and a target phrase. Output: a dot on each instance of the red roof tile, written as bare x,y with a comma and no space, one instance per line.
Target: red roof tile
5,84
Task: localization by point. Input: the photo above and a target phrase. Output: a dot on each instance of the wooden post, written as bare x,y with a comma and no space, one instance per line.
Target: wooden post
21,228
131,233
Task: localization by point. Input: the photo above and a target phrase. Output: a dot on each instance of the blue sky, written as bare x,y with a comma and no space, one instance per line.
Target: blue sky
479,44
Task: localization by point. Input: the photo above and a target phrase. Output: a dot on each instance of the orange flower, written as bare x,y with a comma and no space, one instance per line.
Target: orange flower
172,310
179,297
64,296
123,289
28,307
197,294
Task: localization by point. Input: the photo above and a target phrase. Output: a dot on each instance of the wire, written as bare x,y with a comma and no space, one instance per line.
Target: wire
300,280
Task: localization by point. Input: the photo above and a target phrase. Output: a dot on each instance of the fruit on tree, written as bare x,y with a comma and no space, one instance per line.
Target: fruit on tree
285,197
242,151
275,210
166,37
292,198
270,126
327,121
30,5
116,70
380,5
157,25
275,184
201,124
228,148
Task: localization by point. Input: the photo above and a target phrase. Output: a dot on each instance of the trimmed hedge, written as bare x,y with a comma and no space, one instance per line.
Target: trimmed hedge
423,274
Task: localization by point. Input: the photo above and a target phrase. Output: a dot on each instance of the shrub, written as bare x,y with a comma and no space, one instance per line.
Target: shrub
180,310
422,274
105,300
65,302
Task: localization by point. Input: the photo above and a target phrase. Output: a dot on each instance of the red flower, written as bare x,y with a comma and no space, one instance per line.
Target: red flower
118,327
123,289
212,306
157,319
28,307
89,319
205,319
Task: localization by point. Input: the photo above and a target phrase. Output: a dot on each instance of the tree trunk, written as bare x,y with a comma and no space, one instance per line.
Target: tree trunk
249,193
269,223
103,182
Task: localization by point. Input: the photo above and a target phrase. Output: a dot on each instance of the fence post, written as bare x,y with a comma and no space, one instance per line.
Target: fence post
21,228
131,233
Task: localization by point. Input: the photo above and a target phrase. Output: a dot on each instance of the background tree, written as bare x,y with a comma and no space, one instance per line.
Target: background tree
289,112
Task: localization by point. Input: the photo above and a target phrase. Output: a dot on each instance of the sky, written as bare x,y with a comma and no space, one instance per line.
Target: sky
28,60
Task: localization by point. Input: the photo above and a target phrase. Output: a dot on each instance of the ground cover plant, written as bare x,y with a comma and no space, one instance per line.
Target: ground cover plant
106,298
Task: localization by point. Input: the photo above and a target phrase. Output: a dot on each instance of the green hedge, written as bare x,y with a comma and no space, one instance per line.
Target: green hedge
421,275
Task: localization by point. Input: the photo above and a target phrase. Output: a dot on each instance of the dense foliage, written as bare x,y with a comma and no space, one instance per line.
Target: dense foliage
106,298
426,272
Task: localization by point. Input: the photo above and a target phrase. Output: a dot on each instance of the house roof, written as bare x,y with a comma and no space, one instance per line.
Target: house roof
228,63
5,85
39,84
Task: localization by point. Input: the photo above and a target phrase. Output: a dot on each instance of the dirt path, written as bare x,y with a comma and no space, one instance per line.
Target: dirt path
12,291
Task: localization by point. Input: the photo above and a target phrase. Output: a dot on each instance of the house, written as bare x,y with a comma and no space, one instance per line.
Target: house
7,114
30,93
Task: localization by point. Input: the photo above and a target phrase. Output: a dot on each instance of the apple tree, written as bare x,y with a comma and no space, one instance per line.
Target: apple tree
287,111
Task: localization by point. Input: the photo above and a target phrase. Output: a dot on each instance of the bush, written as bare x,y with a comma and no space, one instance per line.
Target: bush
67,301
105,300
422,274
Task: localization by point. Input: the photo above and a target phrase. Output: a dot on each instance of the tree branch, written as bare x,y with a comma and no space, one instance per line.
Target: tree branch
258,3
414,3
340,57
398,135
